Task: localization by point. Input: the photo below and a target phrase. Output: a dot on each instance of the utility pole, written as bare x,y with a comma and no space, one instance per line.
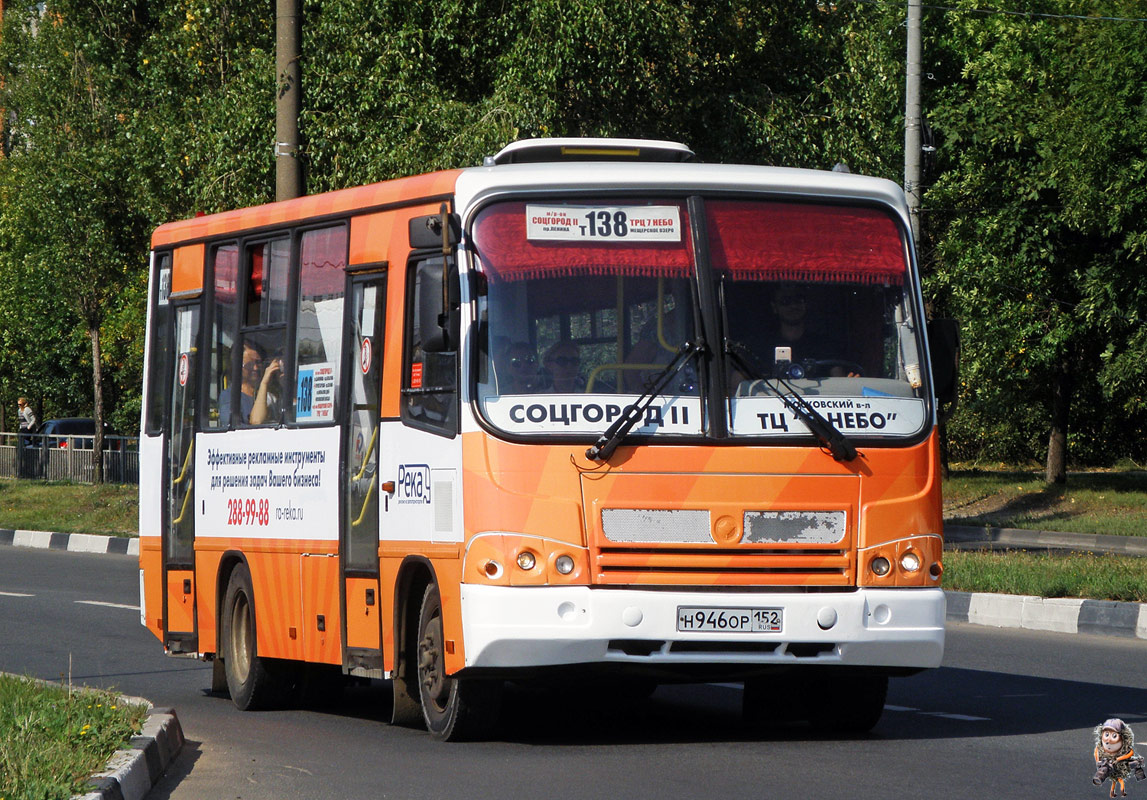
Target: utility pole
288,90
913,175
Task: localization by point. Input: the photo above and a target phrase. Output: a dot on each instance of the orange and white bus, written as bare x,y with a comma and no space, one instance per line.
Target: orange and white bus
592,410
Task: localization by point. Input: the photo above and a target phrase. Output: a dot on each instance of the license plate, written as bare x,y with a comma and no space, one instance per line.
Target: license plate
703,619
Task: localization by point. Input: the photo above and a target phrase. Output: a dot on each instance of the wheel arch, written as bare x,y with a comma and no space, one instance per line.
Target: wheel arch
227,564
414,575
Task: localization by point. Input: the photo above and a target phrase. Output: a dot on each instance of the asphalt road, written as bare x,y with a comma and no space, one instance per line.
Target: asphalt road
1009,714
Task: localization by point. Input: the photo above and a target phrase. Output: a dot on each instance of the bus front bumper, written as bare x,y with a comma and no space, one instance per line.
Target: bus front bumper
517,627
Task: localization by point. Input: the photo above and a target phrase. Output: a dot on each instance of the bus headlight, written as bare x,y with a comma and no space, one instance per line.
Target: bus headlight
880,566
517,559
911,561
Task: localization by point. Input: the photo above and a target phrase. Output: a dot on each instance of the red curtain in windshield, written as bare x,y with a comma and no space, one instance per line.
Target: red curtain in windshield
499,235
804,242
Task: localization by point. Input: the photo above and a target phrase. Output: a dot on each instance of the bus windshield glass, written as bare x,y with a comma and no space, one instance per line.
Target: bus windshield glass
585,302
816,300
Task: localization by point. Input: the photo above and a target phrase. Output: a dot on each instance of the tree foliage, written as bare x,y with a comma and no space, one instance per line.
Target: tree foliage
70,233
1038,223
127,113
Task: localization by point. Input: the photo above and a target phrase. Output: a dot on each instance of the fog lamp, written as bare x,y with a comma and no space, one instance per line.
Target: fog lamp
564,565
880,566
526,560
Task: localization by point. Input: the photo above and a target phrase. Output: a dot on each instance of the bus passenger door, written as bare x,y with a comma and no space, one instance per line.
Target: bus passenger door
362,630
179,623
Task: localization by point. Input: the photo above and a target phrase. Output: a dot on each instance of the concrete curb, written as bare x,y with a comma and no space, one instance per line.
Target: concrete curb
1063,615
970,537
72,542
131,773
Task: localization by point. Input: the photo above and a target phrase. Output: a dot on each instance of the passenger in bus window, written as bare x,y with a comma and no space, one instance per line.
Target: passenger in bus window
517,369
655,348
259,378
563,368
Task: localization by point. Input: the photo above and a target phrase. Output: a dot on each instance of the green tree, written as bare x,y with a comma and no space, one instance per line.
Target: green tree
394,88
1039,227
72,235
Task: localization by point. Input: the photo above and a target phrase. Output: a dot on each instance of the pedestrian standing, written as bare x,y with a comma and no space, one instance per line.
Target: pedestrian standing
26,457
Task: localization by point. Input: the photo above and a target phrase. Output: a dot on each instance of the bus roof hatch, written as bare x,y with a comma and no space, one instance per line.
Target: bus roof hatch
533,151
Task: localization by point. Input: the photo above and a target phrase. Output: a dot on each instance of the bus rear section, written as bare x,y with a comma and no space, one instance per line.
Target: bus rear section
551,419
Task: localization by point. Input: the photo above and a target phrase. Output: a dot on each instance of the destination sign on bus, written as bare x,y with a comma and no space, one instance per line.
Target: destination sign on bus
603,223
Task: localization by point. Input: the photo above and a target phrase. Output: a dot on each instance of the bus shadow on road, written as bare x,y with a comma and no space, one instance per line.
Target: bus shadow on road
948,703
951,703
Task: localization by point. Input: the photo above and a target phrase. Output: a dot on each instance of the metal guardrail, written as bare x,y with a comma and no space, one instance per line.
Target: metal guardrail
38,456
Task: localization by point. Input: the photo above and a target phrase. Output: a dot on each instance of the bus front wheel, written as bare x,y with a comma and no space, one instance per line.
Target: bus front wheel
250,681
852,703
455,709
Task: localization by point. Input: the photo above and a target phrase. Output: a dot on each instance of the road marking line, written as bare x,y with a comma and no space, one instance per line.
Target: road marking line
899,708
108,605
961,717
16,594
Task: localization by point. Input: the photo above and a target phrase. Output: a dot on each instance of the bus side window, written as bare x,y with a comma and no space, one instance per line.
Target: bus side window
430,367
225,281
160,346
264,334
319,329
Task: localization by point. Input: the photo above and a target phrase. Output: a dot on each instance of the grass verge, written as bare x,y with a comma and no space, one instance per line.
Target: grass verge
52,738
69,507
1087,575
1110,502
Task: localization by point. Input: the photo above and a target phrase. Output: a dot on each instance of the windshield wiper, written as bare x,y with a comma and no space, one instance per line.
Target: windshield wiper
841,448
606,443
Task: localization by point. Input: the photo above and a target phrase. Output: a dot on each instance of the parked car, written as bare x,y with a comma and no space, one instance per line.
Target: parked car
64,432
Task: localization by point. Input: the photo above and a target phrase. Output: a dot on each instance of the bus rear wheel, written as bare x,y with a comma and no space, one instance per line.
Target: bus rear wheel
251,681
455,709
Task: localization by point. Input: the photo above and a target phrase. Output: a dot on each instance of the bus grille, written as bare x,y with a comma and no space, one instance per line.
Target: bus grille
741,566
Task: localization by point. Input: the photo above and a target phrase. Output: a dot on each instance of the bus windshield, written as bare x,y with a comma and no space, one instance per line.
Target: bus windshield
584,303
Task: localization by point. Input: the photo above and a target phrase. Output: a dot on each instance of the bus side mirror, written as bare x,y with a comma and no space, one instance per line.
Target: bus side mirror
426,231
944,344
438,326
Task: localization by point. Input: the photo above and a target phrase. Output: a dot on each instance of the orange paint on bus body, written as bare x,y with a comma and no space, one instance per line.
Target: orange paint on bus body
536,516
